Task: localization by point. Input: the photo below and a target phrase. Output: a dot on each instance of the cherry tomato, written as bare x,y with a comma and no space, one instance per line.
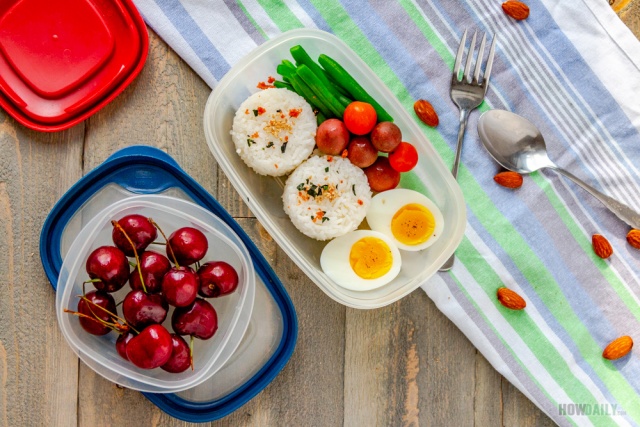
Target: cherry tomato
404,157
360,117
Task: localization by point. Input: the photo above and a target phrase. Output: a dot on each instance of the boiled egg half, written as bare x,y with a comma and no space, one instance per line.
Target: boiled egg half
409,218
361,260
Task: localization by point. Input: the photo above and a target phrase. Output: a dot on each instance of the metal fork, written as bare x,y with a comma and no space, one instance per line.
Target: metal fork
467,93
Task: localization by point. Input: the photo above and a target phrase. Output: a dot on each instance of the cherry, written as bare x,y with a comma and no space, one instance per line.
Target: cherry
109,267
151,348
141,309
96,309
121,344
217,278
154,266
198,320
180,356
180,286
139,229
188,244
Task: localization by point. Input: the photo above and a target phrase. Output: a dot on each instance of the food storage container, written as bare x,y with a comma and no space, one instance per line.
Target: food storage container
263,194
233,311
142,176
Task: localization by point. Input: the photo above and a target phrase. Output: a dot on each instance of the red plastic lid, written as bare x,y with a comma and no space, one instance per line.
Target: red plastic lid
61,61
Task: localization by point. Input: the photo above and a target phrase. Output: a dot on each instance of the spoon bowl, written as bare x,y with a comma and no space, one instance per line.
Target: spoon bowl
513,141
517,144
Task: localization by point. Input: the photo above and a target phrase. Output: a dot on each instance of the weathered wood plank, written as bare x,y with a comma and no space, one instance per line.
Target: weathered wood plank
407,364
38,371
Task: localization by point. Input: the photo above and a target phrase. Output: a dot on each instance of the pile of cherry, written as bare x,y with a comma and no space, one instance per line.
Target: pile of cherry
156,284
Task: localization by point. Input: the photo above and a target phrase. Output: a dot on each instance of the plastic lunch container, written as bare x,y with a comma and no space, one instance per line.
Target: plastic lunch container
263,194
234,311
61,61
139,173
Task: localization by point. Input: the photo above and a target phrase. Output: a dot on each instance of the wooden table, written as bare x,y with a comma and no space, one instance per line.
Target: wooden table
405,364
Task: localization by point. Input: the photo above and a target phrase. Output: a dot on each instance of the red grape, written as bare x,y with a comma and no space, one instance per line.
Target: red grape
381,175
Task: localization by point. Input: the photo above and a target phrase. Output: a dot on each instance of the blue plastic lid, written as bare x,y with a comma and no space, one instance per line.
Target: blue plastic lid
147,170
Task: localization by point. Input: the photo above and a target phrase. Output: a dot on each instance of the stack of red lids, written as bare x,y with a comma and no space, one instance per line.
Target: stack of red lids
61,61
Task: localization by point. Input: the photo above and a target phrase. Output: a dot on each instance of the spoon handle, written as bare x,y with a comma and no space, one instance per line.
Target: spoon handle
622,211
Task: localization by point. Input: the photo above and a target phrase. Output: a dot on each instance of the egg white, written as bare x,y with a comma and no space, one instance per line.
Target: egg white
385,205
334,261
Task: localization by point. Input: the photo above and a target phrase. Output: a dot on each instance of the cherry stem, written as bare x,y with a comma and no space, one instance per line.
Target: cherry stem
173,255
159,243
191,351
131,264
91,303
114,326
135,252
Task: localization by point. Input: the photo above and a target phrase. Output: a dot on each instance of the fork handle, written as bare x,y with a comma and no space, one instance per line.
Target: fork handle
464,116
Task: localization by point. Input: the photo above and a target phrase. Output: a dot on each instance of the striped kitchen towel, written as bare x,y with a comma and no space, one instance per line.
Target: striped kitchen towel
572,68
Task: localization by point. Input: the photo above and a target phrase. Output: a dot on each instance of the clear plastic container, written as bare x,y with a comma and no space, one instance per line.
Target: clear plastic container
263,194
234,311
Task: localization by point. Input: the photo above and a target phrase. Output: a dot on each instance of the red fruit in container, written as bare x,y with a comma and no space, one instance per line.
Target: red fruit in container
154,266
189,245
141,310
180,286
386,136
360,117
381,175
139,229
332,137
99,306
217,278
150,349
180,359
404,157
361,152
110,266
121,344
199,320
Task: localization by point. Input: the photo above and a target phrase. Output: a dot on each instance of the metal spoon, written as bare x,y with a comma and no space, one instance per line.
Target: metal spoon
517,145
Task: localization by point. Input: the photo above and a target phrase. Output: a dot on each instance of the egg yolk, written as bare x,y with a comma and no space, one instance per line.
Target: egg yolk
413,224
370,258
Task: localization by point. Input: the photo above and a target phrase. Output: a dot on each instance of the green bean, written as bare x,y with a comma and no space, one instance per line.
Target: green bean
302,89
320,90
302,58
336,71
285,71
283,85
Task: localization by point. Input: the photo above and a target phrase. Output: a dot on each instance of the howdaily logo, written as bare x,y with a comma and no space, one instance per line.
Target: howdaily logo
589,409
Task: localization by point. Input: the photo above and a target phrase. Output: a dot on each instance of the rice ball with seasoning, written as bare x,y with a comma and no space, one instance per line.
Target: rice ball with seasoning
326,197
274,131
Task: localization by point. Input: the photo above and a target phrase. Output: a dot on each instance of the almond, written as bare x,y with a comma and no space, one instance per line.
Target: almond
618,348
425,112
601,246
511,299
633,237
509,179
516,9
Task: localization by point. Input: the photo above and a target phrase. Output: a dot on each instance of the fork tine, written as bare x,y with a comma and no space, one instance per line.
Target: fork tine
487,72
456,66
476,73
467,67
